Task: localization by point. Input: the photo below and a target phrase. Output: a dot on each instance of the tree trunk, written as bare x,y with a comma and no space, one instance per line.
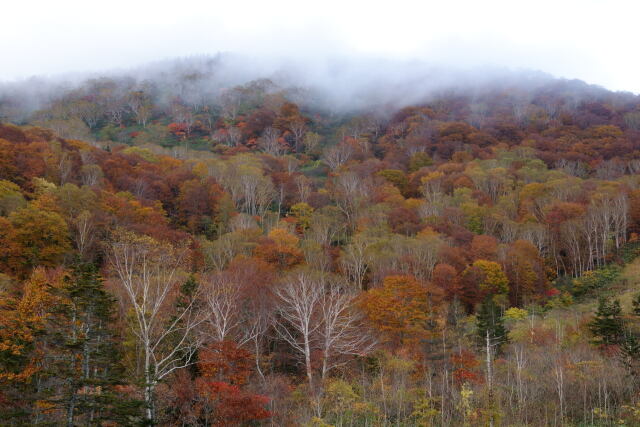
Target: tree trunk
148,399
489,380
71,409
325,367
307,361
149,387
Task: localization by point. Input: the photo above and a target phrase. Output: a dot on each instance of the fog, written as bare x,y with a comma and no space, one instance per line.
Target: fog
343,54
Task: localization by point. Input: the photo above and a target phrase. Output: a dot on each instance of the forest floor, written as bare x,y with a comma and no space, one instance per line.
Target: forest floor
627,286
624,288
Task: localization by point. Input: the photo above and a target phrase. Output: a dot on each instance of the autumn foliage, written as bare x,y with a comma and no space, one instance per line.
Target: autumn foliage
403,310
250,256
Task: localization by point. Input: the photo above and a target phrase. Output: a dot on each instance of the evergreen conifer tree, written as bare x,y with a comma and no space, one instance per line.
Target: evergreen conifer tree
94,370
636,305
489,318
630,352
607,325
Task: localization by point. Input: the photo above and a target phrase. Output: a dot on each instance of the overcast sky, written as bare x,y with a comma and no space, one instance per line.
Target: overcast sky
593,40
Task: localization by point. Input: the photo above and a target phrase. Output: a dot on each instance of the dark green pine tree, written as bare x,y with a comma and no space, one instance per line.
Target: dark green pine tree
187,291
630,346
607,326
188,296
636,305
630,353
489,318
94,368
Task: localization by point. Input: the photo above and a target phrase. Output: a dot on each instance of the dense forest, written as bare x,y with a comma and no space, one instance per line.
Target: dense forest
176,251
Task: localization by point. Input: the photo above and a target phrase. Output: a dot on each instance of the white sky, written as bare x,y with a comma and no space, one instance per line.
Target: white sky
594,40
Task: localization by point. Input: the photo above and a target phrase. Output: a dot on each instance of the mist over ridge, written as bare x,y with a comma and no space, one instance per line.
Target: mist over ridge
338,84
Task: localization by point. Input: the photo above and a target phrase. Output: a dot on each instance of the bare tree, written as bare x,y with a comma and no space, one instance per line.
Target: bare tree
341,333
148,274
298,129
269,142
432,188
89,112
230,101
354,260
218,253
141,106
572,167
632,120
257,192
558,371
257,318
325,226
610,169
298,301
633,166
519,105
479,113
311,141
520,363
83,232
375,124
183,114
232,315
234,136
91,174
350,193
303,186
65,167
250,190
337,155
424,252
316,255
537,234
242,222
223,300
316,313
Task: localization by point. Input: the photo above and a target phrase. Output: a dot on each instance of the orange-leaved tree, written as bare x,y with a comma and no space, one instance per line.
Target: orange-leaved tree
403,310
31,345
280,249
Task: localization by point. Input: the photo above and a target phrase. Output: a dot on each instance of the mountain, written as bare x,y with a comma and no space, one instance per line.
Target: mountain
213,241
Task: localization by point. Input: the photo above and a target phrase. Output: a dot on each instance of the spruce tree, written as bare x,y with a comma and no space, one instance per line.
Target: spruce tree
94,370
630,346
607,325
68,318
630,352
489,318
636,305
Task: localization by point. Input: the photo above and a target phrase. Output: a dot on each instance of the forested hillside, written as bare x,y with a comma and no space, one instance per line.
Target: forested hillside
178,252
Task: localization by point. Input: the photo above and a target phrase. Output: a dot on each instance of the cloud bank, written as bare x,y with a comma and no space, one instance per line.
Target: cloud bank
588,39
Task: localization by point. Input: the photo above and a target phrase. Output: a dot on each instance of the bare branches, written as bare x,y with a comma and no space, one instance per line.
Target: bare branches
355,260
149,275
83,228
317,313
341,332
298,301
223,300
270,142
337,155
